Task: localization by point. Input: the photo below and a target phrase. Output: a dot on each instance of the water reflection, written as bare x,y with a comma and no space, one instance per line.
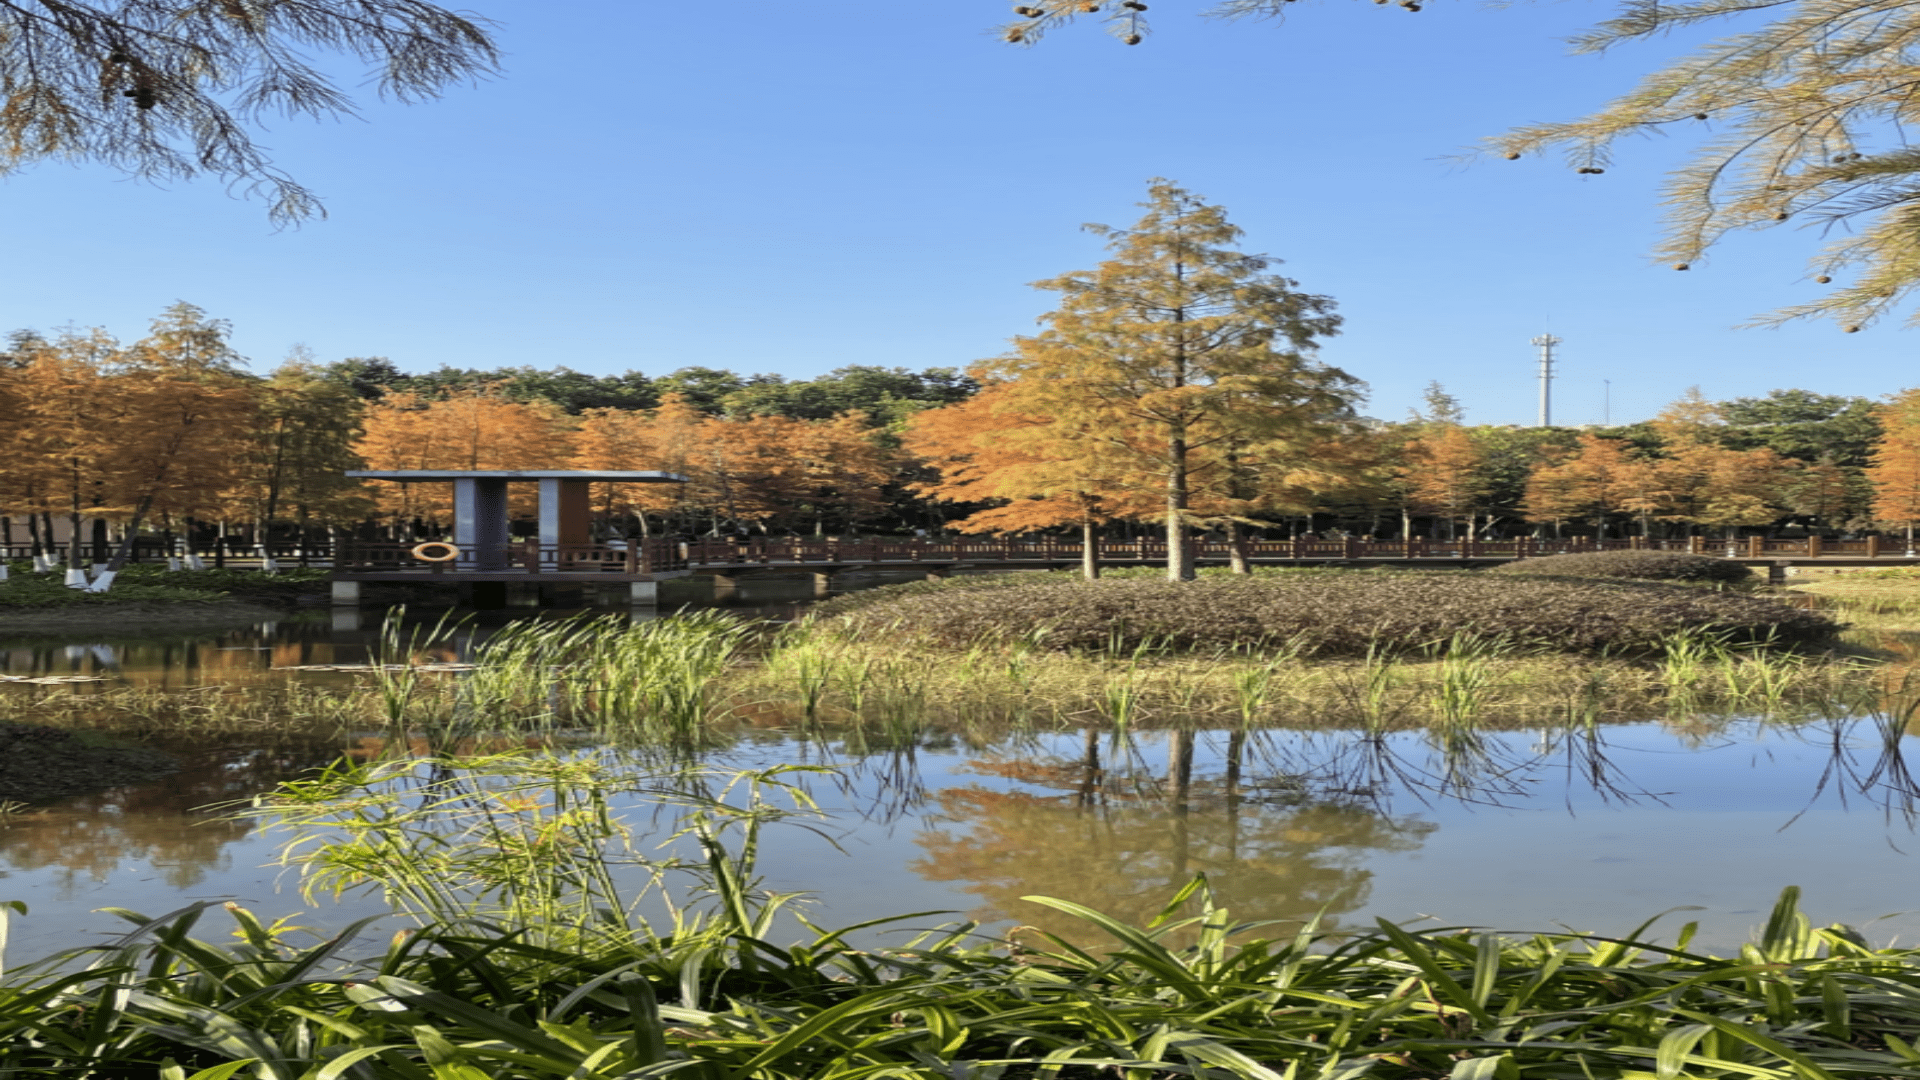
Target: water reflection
163,826
1123,840
1621,817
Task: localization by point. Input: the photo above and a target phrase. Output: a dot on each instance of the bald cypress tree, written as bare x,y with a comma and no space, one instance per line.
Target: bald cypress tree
1177,346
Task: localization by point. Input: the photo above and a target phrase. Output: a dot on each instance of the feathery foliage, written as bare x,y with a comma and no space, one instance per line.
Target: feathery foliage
167,90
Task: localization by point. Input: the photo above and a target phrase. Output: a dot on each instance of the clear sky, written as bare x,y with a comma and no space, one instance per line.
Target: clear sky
793,186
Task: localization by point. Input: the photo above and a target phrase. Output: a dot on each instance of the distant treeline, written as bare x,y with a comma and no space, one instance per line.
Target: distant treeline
172,433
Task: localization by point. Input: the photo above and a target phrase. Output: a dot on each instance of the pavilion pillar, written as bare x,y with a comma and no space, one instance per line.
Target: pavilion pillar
480,522
566,515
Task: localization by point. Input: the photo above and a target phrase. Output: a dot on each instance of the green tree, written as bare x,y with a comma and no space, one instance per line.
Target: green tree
1176,346
1441,407
704,388
170,89
369,377
1508,457
303,447
575,392
1803,425
885,395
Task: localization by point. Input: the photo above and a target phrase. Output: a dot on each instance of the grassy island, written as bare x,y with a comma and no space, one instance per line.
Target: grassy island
1320,613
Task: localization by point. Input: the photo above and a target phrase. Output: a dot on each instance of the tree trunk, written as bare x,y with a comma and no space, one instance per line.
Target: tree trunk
1180,767
120,557
1237,561
1089,791
1179,550
1089,550
76,547
40,546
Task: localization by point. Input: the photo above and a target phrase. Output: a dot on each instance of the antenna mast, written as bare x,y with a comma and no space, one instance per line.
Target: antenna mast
1546,343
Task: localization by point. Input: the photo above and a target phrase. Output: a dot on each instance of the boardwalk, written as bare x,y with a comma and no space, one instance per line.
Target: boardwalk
649,558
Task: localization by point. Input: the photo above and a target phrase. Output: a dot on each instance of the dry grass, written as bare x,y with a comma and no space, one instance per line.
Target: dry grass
1634,566
1318,613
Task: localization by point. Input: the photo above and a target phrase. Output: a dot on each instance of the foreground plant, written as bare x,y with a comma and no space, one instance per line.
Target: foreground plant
478,1002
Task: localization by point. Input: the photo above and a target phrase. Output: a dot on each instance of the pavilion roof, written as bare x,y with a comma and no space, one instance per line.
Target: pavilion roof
407,476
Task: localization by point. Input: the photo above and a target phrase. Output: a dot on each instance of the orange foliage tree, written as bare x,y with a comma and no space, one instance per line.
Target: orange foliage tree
1895,469
669,438
476,428
1034,470
1443,475
1598,480
1177,345
124,433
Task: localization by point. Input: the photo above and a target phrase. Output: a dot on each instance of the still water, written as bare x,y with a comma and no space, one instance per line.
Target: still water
1596,835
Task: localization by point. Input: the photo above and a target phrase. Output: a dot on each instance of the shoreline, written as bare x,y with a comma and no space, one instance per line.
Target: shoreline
134,616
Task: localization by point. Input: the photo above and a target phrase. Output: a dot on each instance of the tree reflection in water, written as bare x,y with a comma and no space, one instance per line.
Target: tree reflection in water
163,824
1284,824
1122,839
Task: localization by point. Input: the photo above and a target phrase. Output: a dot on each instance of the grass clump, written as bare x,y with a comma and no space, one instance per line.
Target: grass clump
40,593
154,583
39,764
1333,613
1633,566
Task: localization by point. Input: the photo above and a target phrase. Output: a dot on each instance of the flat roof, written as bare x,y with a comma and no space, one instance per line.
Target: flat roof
429,475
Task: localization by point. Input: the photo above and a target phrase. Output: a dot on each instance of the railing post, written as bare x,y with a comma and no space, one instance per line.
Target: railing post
1873,546
1350,548
1695,543
1756,546
1813,546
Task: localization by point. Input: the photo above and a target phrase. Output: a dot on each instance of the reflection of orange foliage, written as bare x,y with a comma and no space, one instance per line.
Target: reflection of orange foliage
1265,862
160,824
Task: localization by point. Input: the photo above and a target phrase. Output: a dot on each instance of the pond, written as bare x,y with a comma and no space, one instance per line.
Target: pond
1527,829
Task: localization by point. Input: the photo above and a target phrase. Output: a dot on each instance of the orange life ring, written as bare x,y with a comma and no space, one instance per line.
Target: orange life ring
449,552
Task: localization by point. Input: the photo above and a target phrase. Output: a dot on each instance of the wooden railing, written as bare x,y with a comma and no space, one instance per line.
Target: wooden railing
532,557
658,555
746,553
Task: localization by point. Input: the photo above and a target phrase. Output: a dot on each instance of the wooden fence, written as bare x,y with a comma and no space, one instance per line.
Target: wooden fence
658,555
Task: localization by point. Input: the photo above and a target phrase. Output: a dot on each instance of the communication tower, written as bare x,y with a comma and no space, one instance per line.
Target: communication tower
1546,343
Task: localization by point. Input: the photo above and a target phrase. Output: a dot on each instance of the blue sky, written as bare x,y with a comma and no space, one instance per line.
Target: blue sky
791,187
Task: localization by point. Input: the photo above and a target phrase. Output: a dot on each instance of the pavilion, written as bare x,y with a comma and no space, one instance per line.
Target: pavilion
482,548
